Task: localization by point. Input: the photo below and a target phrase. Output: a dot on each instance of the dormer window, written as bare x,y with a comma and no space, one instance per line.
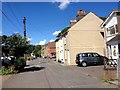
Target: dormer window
112,30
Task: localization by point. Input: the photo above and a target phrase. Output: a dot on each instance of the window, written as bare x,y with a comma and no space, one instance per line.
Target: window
95,55
84,55
112,30
118,13
89,55
116,28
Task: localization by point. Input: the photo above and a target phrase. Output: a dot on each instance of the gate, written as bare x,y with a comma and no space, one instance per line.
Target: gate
110,65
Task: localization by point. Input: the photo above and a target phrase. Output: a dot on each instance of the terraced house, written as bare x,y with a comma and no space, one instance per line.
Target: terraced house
48,50
83,35
112,35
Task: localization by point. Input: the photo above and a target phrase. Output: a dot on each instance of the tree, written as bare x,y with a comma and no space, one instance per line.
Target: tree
31,48
14,45
37,50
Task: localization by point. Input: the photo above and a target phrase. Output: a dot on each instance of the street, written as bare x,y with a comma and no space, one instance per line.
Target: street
46,73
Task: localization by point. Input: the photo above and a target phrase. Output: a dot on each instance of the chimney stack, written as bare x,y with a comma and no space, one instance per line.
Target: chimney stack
72,22
80,14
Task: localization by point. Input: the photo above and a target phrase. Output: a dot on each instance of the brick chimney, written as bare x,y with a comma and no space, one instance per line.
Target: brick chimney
80,14
72,22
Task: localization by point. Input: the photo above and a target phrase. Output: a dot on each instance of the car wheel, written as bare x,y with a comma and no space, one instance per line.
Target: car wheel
84,64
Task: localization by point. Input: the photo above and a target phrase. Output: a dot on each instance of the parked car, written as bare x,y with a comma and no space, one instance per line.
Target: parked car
88,58
8,61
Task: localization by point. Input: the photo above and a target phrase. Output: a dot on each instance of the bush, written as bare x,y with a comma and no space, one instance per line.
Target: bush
6,71
20,63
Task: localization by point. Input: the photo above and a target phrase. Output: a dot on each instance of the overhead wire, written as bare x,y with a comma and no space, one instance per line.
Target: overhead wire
8,19
13,14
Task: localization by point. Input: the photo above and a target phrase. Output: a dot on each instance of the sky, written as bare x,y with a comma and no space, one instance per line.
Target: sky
44,20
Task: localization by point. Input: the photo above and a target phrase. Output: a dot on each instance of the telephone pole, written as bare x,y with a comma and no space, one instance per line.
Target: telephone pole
24,22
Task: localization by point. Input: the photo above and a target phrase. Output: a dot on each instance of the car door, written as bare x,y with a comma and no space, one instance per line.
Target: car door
96,58
90,58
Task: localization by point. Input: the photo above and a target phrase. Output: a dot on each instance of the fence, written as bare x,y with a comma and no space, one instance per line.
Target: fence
110,65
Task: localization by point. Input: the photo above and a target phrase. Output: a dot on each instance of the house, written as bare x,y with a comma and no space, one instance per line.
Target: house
84,35
48,50
43,51
112,34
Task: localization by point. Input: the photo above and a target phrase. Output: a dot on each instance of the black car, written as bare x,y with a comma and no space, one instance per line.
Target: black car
88,58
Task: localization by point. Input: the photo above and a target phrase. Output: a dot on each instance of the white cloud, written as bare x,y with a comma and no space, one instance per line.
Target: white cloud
29,39
64,3
16,32
51,40
42,42
56,33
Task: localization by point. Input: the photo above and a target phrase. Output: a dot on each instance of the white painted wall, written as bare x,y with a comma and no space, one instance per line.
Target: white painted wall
61,48
109,38
112,21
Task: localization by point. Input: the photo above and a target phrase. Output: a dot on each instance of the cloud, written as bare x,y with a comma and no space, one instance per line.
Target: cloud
42,42
16,32
29,39
64,3
51,40
56,33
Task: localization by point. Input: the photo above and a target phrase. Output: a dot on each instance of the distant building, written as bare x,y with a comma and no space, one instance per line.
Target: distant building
112,34
48,50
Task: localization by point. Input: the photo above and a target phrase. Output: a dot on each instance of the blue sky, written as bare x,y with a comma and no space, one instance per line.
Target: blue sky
44,18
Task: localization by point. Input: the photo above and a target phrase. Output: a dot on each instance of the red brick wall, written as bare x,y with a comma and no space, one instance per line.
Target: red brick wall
51,48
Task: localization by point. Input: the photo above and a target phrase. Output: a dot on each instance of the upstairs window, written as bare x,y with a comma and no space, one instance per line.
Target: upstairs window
112,30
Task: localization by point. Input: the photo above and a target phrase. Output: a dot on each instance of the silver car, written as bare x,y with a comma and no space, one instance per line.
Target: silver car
88,58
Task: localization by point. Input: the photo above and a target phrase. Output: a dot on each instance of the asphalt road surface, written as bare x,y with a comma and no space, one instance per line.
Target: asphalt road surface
46,73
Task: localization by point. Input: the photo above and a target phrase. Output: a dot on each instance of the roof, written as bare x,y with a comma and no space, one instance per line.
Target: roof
109,16
114,40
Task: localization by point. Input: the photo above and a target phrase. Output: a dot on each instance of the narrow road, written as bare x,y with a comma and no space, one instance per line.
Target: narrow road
45,73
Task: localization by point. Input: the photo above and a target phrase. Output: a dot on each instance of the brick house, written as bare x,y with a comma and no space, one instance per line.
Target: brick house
48,50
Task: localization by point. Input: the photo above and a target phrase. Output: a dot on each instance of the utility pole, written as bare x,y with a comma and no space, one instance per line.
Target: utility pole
24,22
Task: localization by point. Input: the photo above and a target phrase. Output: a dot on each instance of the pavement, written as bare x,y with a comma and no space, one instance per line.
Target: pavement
46,73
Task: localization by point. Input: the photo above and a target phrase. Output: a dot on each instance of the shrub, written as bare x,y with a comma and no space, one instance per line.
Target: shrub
6,71
21,63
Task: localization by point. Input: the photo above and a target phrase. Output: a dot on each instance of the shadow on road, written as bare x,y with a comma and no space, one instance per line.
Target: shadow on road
91,65
31,69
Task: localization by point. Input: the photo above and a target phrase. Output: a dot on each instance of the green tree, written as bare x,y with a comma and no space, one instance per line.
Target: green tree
31,48
14,45
37,50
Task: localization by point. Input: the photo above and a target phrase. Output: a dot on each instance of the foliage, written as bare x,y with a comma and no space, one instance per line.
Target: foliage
103,18
14,45
20,63
6,71
20,60
63,31
37,50
30,49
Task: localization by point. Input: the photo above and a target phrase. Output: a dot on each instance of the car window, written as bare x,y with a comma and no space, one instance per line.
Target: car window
84,55
95,55
89,54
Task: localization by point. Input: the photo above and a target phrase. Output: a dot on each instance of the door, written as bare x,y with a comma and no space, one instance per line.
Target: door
90,58
96,58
